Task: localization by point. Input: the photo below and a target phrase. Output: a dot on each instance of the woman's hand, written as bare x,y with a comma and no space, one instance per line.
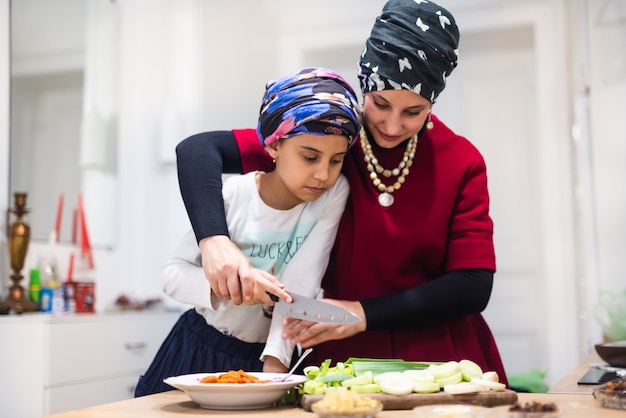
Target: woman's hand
309,334
232,276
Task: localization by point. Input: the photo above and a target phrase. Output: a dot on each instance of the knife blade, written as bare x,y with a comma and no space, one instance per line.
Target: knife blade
313,310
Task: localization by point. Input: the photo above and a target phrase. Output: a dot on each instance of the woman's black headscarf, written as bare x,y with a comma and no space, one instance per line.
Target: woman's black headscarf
413,46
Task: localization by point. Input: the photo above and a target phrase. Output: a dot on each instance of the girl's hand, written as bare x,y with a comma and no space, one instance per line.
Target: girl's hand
232,276
273,365
309,334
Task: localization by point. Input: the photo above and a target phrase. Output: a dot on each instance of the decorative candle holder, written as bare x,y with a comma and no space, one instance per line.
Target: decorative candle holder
18,238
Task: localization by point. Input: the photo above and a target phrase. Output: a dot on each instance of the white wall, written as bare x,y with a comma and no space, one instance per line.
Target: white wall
4,141
608,149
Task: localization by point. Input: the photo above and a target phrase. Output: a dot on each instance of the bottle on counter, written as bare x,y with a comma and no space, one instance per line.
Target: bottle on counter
47,262
51,299
69,296
69,288
45,297
84,284
34,286
49,290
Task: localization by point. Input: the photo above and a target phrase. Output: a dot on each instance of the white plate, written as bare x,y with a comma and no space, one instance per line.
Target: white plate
234,395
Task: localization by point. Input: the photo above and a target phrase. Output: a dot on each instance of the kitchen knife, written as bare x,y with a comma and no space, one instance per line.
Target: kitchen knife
313,310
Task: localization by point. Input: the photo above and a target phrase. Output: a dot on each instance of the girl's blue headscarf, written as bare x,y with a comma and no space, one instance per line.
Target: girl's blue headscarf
313,101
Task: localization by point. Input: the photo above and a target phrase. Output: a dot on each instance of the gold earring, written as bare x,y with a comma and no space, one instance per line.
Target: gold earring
429,123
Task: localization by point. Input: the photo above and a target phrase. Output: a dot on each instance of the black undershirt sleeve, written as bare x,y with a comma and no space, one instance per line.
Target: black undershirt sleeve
200,160
452,295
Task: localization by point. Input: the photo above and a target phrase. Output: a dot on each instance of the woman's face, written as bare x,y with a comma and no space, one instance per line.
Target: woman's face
392,116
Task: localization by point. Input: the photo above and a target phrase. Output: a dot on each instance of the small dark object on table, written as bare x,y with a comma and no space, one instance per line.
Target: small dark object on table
534,407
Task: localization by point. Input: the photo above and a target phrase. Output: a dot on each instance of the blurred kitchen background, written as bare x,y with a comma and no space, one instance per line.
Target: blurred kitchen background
95,95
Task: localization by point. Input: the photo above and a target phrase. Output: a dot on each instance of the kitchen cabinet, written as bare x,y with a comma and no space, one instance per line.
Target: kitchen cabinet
51,364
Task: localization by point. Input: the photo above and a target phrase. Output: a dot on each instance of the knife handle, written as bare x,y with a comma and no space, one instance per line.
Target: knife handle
272,296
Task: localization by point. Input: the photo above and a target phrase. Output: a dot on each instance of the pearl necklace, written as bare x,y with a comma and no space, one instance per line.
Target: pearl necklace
386,199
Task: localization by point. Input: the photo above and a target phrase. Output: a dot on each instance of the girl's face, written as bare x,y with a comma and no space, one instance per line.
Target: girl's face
307,165
392,116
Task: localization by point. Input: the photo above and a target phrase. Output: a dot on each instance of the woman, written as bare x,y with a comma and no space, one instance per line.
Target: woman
416,260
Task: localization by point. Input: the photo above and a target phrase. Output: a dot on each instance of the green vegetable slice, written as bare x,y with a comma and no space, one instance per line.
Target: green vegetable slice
337,377
311,371
449,380
324,367
364,379
445,370
395,384
426,387
378,367
310,387
369,388
470,370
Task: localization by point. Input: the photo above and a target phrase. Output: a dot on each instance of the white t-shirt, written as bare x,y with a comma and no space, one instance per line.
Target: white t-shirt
295,244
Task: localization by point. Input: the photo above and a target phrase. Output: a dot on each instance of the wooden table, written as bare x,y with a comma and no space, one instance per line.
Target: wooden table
569,384
177,404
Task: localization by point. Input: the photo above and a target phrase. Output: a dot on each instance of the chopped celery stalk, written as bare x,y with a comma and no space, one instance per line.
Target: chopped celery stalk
364,379
378,367
338,377
310,386
368,375
339,366
324,367
330,389
320,390
369,388
311,371
374,360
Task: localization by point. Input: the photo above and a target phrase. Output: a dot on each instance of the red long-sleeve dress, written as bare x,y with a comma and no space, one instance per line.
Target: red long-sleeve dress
439,223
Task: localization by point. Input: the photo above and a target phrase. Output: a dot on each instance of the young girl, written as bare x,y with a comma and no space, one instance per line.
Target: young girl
284,221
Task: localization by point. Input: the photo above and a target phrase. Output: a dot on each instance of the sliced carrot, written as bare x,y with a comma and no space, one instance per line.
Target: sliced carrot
233,376
209,379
